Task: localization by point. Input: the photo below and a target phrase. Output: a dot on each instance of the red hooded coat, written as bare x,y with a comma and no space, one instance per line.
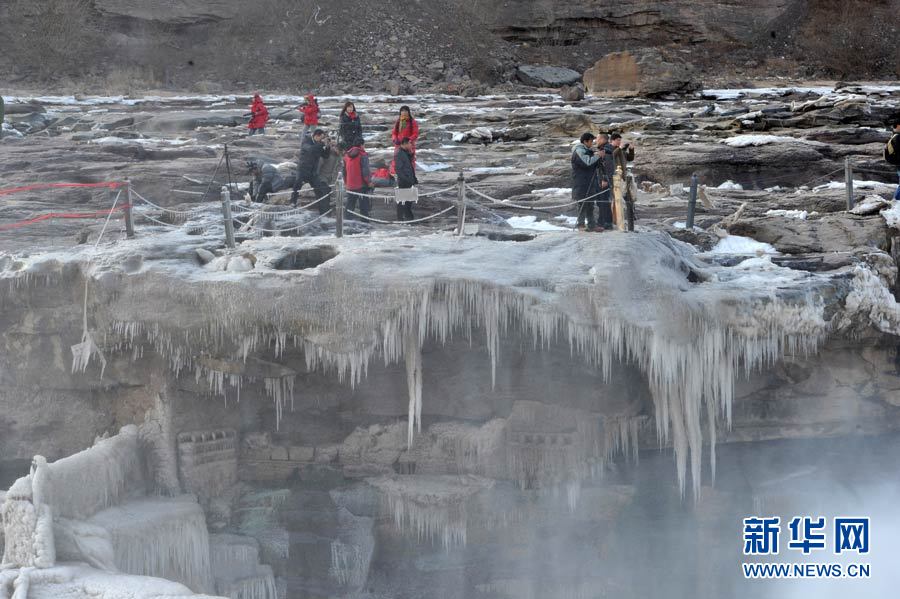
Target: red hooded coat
260,113
310,111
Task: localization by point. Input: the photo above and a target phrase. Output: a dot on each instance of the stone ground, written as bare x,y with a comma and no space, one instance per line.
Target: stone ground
781,145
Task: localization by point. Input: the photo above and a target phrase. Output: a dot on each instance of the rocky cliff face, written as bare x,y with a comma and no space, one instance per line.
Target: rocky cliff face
386,44
619,25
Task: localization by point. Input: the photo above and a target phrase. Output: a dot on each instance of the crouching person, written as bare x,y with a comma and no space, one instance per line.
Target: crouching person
266,180
357,179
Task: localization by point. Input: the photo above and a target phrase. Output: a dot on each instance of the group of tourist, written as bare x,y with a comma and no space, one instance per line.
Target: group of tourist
316,145
594,163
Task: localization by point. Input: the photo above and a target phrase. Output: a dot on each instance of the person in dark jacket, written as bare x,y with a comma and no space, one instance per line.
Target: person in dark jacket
608,164
267,178
358,179
406,176
313,149
892,151
586,180
350,132
259,116
623,153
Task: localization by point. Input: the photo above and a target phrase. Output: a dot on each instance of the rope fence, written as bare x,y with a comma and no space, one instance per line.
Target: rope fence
261,219
402,222
250,224
62,215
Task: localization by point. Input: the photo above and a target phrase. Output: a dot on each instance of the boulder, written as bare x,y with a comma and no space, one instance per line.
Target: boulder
16,108
546,76
570,125
640,72
116,123
174,122
831,233
572,93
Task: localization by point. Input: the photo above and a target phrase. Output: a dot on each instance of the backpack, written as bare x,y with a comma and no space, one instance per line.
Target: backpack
892,150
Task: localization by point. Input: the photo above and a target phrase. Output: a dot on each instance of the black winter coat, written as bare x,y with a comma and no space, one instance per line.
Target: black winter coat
310,154
585,177
609,162
406,172
350,132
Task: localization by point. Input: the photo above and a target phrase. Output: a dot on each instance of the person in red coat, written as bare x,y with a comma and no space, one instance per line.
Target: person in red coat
259,115
405,127
310,110
358,179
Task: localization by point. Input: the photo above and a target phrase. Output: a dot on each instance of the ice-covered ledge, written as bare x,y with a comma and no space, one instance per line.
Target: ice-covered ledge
690,325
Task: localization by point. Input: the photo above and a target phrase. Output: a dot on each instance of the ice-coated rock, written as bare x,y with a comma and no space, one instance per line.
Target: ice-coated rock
546,76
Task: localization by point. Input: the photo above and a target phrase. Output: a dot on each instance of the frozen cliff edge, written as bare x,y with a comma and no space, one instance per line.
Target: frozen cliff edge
691,326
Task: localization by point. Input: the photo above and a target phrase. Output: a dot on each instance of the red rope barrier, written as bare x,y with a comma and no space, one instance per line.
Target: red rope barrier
105,184
67,215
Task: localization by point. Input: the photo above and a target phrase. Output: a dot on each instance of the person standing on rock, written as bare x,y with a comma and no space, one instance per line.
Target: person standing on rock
406,176
608,166
2,113
623,153
585,180
313,149
310,110
358,179
259,115
892,151
350,133
406,127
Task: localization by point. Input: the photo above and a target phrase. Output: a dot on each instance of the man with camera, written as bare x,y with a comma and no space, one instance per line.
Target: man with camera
314,148
588,177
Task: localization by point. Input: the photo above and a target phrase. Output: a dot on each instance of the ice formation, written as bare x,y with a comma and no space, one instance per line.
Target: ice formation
161,538
384,297
74,581
430,507
351,552
236,568
112,465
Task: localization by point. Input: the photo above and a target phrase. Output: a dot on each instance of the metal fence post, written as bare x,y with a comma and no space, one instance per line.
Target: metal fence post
339,208
630,197
129,217
229,221
461,204
848,177
692,204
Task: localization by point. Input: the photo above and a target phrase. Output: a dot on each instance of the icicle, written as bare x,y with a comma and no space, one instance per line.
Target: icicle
414,384
430,508
162,538
110,465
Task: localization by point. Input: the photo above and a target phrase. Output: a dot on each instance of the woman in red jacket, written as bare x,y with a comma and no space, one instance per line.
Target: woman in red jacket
310,110
405,127
259,115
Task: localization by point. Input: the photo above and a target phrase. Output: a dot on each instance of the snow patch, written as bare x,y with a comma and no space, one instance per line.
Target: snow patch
892,215
532,223
731,185
430,168
736,244
734,94
798,214
743,141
